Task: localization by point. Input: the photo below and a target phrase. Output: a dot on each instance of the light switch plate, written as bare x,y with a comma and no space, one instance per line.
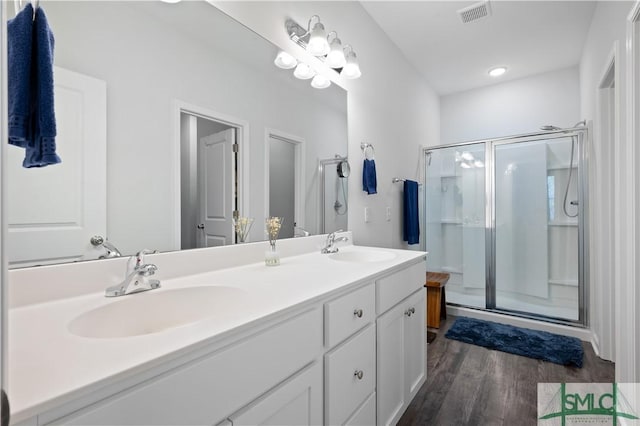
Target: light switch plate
367,215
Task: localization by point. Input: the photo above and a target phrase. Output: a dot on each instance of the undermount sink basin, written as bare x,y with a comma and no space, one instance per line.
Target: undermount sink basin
363,256
155,311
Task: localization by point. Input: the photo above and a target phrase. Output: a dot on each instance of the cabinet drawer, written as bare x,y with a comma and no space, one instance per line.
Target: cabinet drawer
365,415
205,391
348,314
395,287
344,390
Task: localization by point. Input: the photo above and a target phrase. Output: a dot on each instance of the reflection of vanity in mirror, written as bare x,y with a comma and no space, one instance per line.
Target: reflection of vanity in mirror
136,110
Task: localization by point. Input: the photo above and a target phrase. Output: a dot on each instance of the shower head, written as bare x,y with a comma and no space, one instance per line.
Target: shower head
549,128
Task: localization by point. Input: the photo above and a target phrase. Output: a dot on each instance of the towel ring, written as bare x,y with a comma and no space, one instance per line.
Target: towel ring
368,150
18,5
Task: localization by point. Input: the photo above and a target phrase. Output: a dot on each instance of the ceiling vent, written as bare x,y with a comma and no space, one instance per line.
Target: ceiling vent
475,12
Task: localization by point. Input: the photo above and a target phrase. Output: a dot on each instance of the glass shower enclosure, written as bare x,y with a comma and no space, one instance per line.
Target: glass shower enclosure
505,218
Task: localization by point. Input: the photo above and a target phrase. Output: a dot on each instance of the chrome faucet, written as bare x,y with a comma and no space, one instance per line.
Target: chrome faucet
112,251
137,276
329,246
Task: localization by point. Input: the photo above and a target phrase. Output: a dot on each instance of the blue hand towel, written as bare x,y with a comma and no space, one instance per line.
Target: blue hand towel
41,150
369,181
411,225
19,40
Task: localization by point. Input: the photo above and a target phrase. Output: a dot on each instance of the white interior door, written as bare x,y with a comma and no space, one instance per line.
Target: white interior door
216,178
54,211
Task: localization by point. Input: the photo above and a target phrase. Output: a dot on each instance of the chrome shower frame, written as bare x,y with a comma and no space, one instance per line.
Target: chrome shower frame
581,135
322,165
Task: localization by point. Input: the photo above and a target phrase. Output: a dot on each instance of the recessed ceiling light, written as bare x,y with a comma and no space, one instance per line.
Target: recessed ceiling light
497,72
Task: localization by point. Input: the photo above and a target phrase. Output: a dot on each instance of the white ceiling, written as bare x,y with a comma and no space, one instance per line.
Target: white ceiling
528,37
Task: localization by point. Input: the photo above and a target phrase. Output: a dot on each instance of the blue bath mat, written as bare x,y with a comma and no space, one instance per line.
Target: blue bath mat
542,345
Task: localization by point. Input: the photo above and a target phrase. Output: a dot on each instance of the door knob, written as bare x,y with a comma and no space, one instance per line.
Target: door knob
358,313
96,240
359,374
201,226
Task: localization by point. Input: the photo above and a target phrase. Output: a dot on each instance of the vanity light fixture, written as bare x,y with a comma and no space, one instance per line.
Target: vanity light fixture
318,44
335,58
303,71
326,48
497,71
352,69
320,82
285,61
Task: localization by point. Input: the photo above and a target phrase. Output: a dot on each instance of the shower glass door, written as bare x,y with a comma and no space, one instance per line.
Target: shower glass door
504,218
536,226
455,220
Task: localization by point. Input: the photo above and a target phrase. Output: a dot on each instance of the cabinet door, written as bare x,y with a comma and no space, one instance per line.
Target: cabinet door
298,401
390,367
401,356
415,344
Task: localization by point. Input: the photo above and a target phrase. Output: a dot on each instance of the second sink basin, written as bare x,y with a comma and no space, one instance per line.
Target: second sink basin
153,312
363,256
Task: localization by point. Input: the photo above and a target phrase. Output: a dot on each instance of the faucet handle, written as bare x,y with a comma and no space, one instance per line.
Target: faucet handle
147,269
140,257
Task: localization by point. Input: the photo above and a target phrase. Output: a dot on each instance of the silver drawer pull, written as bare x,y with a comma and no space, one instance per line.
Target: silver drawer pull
358,313
359,374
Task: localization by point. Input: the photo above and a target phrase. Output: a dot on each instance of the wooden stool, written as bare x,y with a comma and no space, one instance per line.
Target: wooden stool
436,300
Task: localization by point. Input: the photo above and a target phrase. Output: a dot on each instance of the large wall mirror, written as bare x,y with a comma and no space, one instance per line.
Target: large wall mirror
169,120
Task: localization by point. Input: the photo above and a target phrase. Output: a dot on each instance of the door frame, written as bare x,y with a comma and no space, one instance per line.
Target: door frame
605,256
243,169
299,172
630,370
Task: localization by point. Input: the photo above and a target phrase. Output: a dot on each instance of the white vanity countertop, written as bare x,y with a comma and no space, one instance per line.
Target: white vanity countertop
49,366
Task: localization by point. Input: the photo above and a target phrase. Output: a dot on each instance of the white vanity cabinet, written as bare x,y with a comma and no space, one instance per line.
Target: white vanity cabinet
401,345
354,355
206,391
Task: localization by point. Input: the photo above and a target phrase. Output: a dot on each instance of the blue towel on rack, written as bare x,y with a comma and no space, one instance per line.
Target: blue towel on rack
369,181
41,150
411,225
19,47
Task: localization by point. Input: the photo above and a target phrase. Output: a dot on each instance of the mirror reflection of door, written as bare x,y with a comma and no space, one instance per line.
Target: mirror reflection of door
285,181
208,182
52,212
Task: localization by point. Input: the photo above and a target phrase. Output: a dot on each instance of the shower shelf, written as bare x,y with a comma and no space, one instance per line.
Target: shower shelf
451,221
451,270
569,283
563,223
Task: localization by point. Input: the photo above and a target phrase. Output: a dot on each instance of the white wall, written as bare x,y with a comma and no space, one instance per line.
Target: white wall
146,66
390,106
512,108
611,194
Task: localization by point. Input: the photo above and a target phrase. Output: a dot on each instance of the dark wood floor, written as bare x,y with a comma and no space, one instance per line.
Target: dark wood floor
472,385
